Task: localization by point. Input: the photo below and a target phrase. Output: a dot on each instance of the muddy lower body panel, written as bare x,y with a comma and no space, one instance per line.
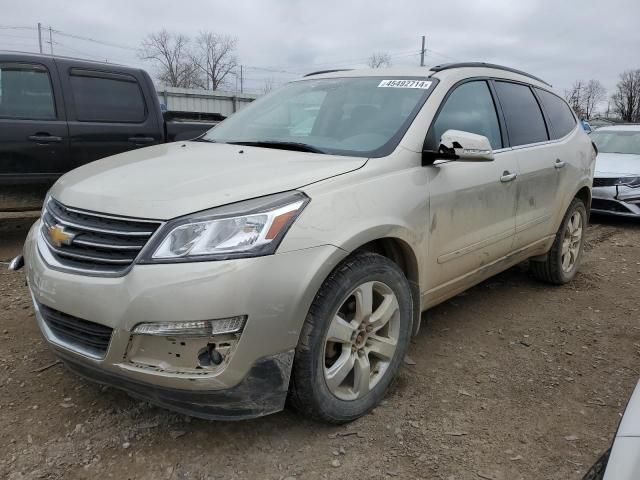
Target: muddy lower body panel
262,392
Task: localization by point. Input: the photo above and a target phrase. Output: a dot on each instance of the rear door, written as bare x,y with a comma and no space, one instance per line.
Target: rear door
472,204
564,131
34,139
538,182
108,111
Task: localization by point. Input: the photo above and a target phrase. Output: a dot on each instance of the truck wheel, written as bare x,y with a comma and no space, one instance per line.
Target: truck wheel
563,260
353,340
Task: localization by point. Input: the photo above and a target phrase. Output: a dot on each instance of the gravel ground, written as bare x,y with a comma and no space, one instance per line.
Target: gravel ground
511,380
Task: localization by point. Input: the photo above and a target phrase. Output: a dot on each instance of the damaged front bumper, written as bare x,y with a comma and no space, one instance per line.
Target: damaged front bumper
621,200
241,370
262,392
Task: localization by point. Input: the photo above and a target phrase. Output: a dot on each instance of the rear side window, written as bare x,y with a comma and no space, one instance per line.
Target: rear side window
107,98
469,108
25,92
522,114
559,113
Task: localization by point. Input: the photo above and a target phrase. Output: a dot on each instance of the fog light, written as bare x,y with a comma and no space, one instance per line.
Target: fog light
200,328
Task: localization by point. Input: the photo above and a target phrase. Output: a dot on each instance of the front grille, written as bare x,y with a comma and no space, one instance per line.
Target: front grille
609,205
611,182
98,243
605,182
79,334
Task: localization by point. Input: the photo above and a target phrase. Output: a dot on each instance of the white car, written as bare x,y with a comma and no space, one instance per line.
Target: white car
616,183
622,462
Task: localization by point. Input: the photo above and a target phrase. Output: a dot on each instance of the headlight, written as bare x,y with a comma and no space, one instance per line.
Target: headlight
245,229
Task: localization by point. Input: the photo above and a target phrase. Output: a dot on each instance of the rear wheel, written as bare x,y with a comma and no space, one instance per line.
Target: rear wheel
353,340
563,260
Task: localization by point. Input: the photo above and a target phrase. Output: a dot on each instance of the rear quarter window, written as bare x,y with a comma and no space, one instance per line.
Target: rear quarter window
522,114
116,99
559,113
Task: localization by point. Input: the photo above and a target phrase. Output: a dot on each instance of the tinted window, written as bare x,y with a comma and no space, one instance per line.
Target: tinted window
25,92
469,108
559,113
99,99
522,114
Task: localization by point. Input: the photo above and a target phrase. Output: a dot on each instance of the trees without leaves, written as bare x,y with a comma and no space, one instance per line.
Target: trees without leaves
573,96
626,99
379,60
269,84
214,56
584,97
594,93
170,54
180,62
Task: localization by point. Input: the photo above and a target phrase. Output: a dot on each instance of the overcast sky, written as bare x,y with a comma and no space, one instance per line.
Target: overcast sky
560,41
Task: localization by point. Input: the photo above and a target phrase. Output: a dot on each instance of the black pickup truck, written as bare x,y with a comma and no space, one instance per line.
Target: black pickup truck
57,113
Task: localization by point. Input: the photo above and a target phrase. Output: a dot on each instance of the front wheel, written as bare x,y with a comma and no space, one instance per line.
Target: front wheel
563,260
353,340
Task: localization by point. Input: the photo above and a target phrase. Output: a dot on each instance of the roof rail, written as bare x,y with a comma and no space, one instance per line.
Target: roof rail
319,72
448,66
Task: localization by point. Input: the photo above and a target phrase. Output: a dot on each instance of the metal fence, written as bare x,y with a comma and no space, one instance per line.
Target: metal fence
203,101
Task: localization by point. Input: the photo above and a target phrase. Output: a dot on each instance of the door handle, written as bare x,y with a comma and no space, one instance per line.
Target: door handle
559,163
507,176
141,140
44,138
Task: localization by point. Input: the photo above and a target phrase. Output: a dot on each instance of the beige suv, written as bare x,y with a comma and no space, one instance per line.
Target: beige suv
289,252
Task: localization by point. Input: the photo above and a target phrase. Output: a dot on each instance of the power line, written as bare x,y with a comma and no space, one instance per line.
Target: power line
15,36
88,39
16,27
276,69
354,60
442,55
272,70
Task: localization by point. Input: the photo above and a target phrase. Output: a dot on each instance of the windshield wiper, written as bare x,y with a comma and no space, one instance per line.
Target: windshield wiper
295,146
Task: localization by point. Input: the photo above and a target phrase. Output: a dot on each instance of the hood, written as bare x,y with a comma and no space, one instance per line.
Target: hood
170,180
610,165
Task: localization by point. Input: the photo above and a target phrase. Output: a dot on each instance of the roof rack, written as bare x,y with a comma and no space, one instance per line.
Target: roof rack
319,72
448,66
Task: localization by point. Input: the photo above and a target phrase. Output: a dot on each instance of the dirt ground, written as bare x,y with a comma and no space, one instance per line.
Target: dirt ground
512,380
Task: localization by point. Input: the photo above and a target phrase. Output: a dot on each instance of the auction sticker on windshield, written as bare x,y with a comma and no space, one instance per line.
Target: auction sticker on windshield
424,84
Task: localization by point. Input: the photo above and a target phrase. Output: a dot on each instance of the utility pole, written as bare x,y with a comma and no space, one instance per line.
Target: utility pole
51,39
422,53
40,36
241,81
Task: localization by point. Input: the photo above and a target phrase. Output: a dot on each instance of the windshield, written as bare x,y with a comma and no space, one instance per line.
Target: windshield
361,116
617,141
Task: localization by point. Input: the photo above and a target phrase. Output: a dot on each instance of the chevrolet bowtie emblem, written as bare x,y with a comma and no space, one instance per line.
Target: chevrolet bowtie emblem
59,236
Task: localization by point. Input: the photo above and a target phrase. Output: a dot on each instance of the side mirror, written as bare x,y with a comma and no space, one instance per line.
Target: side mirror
461,146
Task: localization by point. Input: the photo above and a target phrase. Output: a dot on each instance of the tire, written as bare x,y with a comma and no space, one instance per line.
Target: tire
554,269
316,389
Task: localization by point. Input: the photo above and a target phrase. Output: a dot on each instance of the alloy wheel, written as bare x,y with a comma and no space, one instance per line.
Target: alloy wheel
361,341
571,242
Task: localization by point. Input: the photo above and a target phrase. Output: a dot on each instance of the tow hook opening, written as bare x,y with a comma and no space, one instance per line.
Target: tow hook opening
209,356
194,355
